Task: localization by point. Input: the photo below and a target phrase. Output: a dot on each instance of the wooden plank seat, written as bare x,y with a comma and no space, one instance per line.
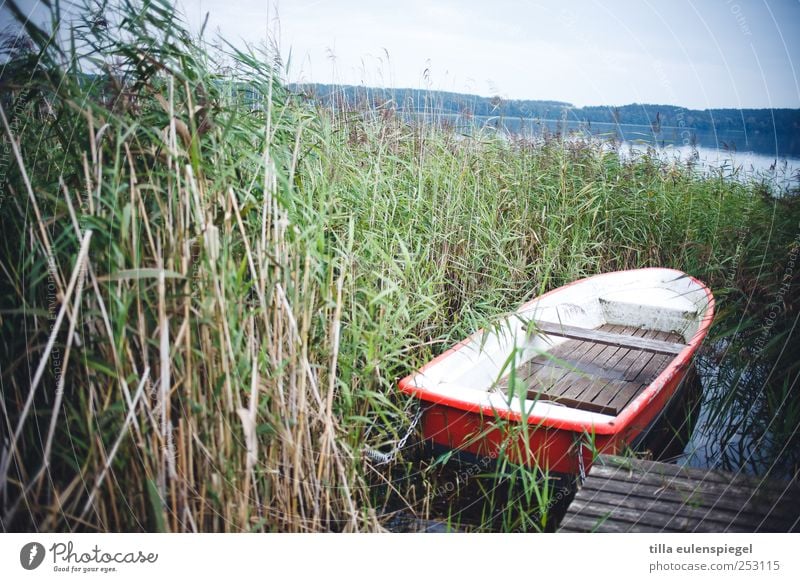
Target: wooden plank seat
597,376
612,339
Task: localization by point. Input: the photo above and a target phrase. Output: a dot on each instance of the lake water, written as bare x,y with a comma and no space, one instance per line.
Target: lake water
734,429
732,154
782,174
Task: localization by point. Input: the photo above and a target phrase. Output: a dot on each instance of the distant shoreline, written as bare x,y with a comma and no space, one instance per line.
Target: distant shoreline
774,132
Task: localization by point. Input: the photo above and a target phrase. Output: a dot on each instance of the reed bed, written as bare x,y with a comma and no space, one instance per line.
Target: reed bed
210,286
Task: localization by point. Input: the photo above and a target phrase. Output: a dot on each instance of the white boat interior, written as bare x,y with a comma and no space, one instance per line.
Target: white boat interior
567,351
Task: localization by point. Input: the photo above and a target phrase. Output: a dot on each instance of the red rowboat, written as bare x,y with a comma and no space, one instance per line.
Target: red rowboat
589,366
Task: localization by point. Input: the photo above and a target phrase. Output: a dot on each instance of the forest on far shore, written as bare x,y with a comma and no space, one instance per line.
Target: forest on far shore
783,123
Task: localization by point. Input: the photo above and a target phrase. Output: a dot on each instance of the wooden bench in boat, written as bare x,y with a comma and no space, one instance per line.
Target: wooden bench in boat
610,339
598,370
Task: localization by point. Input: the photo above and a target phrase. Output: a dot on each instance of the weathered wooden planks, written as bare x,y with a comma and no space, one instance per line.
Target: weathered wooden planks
633,495
611,339
597,377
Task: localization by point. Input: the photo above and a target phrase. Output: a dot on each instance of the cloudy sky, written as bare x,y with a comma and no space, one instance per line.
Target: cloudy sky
703,53
700,53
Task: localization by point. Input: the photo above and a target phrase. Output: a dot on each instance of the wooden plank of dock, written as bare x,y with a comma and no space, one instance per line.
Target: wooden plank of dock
621,494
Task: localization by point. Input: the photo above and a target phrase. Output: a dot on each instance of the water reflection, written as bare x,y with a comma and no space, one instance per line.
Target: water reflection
747,419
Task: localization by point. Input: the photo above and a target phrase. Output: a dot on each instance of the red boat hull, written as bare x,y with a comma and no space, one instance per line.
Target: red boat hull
554,450
552,444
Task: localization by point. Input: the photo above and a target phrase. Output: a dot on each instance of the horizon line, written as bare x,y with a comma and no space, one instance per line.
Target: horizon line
553,101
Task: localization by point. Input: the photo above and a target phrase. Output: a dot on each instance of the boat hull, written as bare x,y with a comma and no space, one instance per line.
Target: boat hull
558,445
554,450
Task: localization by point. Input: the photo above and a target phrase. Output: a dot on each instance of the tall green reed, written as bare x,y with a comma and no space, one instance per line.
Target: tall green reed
262,270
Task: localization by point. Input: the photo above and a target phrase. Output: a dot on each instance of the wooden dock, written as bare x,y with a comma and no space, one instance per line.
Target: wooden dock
631,495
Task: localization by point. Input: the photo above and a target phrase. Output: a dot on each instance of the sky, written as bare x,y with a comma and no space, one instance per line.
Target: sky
709,53
697,54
